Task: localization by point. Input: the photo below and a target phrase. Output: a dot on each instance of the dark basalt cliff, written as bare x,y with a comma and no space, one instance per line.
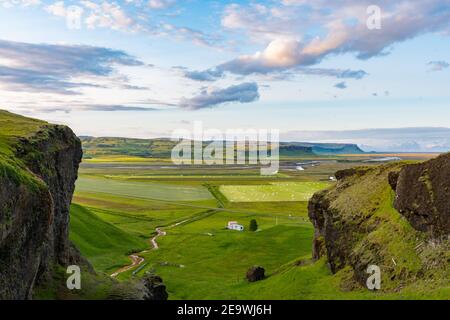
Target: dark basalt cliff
36,187
38,169
395,216
423,195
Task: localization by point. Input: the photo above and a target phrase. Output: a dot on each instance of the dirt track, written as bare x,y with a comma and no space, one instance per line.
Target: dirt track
137,260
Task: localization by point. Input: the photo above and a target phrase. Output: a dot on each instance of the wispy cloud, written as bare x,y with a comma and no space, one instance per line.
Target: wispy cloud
205,75
116,108
438,65
337,73
161,4
341,85
90,107
22,3
130,16
220,71
54,68
242,93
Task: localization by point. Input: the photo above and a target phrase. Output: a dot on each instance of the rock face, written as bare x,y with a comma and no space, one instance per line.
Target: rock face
255,273
36,185
423,195
25,220
150,287
361,222
154,288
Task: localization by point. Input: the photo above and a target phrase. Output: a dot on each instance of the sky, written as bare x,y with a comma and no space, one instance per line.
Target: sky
315,70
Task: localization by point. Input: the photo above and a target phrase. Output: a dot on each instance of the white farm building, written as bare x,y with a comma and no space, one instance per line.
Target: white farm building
233,225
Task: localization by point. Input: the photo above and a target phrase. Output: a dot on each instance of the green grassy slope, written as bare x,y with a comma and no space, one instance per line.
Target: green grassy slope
314,281
13,128
203,260
363,228
103,244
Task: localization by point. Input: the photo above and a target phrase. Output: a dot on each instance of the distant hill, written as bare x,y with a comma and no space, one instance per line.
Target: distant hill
162,148
328,148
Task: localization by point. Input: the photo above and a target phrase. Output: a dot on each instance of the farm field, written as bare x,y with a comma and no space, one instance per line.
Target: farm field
198,257
152,190
275,191
118,207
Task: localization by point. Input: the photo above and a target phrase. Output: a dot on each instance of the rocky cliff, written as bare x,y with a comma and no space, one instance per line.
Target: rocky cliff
38,168
423,195
395,216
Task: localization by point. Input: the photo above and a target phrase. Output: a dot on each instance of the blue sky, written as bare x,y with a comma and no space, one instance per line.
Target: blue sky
144,68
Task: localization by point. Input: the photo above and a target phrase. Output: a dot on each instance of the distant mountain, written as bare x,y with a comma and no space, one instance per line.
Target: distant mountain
328,148
162,148
414,139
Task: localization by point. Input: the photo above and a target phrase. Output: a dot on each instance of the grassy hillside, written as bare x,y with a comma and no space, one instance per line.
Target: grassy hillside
203,260
358,226
13,128
102,243
306,280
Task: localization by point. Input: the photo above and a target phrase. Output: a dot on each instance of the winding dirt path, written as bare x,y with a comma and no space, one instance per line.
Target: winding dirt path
137,260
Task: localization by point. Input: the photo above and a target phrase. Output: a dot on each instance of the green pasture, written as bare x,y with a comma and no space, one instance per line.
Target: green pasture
140,216
275,191
151,190
203,260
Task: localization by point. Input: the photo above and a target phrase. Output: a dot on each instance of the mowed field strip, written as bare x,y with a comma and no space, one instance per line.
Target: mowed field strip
275,191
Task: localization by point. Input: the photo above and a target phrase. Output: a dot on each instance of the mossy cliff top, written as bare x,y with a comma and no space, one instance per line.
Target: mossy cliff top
13,129
38,168
357,225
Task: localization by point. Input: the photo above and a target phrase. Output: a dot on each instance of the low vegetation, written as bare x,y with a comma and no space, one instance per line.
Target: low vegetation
199,258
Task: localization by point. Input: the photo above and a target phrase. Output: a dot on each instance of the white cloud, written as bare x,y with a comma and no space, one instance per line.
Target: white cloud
339,27
438,65
23,3
161,4
57,9
97,15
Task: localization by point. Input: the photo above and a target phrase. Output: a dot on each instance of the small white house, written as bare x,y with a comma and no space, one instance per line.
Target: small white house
233,225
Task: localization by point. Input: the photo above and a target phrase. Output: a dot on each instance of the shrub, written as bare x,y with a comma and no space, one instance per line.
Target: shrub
253,225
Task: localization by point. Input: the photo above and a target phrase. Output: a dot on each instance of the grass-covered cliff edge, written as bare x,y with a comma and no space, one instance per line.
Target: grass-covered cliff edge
394,216
38,169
